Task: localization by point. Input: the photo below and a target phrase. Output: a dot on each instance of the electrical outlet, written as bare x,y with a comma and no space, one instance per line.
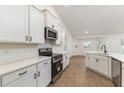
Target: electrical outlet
3,52
6,52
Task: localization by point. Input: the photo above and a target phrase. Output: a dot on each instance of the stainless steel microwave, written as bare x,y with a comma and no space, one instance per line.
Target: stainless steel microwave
51,33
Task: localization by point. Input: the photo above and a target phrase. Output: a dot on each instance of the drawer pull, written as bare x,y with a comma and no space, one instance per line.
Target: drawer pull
88,58
35,76
23,73
26,38
45,63
52,26
30,38
97,60
38,73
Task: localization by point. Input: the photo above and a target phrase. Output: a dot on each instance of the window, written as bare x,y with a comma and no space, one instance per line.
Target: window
99,43
122,46
86,44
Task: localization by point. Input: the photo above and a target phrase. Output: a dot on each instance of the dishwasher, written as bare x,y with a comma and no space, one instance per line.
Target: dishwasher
116,72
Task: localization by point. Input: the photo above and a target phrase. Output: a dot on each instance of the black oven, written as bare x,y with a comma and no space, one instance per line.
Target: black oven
57,66
56,60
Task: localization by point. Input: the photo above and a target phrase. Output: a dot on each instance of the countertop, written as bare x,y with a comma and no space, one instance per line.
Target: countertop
62,52
118,56
13,66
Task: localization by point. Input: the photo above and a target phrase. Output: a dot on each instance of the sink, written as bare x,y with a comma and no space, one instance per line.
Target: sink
104,54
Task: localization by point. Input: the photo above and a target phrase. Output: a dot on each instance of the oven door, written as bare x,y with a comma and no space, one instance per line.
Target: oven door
57,67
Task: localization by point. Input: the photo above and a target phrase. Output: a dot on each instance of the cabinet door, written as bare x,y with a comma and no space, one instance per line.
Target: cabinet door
92,62
27,81
50,20
44,75
13,22
0,82
63,36
103,65
122,77
36,26
65,61
59,31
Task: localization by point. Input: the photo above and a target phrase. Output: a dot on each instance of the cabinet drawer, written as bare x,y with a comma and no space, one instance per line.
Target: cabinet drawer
40,65
18,74
103,57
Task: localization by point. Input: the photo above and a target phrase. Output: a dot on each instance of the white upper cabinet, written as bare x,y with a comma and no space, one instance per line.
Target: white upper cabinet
36,26
13,23
21,24
63,36
50,19
59,31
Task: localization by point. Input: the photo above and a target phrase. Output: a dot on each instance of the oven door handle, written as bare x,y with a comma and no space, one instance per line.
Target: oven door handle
57,60
45,63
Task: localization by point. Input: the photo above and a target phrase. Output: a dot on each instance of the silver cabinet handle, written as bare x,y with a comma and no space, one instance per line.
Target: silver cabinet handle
52,26
30,38
88,57
97,60
38,73
45,63
23,73
66,57
26,38
35,76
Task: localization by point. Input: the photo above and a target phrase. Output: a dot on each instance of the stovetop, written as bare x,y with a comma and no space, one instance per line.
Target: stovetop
48,52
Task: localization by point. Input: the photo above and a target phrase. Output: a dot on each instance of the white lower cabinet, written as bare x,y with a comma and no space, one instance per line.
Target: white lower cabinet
38,75
0,82
27,81
98,63
91,62
122,75
44,73
103,65
65,60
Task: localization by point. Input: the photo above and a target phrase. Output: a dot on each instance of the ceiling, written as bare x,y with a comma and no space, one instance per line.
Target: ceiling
89,20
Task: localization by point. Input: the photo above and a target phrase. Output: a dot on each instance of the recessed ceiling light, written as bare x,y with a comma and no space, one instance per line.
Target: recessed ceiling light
66,5
86,32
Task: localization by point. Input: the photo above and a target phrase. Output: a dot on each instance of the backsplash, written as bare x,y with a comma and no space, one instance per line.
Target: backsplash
16,52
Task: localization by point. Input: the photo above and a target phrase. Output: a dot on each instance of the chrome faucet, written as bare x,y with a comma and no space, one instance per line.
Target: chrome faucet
104,47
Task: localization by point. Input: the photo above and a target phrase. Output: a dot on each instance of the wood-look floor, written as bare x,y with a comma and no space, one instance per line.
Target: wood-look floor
76,75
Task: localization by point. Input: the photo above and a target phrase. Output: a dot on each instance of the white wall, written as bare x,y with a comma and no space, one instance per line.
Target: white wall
112,42
80,50
16,52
